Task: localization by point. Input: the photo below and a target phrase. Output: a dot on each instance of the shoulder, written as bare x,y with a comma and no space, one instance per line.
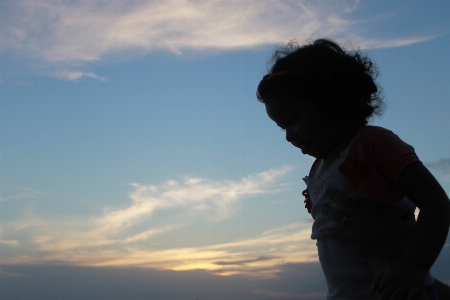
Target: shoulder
376,139
375,159
384,150
369,133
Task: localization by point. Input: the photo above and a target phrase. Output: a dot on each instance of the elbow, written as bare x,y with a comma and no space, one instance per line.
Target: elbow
438,214
448,212
443,214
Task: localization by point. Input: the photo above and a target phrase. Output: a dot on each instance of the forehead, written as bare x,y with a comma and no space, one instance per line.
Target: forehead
278,111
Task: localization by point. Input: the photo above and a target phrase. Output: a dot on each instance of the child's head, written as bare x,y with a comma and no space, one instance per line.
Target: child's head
322,72
314,91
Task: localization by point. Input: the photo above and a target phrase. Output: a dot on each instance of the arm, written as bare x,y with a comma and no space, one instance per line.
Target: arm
432,225
378,235
428,236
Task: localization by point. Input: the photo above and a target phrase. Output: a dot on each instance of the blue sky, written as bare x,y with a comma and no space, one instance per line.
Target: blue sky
132,141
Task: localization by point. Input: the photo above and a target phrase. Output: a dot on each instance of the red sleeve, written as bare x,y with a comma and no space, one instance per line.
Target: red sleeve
387,152
374,162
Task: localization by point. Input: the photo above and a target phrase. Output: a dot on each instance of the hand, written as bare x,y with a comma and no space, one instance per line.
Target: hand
378,233
400,281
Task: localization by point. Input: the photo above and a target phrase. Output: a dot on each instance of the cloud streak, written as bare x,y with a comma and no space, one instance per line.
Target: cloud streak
75,75
63,31
84,31
442,165
197,196
135,235
15,193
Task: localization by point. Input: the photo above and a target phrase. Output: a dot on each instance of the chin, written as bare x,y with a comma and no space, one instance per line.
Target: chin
317,155
312,155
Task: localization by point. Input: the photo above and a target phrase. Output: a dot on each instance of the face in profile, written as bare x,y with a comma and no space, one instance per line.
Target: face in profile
307,126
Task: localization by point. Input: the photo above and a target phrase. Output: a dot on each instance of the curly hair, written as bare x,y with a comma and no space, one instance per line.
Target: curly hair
343,83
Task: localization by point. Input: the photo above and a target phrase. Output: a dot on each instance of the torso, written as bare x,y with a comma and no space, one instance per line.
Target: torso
341,267
320,168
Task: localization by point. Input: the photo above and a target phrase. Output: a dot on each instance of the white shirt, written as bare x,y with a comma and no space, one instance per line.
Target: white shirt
346,274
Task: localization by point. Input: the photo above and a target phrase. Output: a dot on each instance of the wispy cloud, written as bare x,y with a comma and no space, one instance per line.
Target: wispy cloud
11,193
82,30
197,196
72,32
367,43
9,242
442,165
258,256
75,75
124,236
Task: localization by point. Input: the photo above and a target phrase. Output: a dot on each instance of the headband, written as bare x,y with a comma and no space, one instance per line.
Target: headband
282,72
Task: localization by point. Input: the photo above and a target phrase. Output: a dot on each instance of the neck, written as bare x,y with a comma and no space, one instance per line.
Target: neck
346,136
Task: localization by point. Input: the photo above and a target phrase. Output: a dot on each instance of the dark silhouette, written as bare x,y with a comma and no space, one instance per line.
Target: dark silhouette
323,97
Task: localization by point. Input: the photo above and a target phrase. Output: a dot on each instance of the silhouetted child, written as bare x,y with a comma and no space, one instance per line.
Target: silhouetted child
323,97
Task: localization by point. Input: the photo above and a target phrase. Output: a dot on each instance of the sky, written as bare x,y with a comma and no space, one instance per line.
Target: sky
137,163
